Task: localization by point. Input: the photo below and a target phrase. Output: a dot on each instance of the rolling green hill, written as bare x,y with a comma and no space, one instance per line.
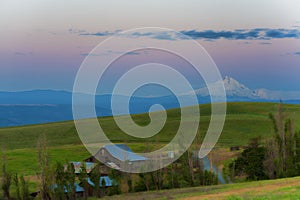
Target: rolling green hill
243,121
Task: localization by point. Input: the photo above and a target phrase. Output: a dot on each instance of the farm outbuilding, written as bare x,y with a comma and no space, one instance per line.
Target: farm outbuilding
89,166
104,183
120,155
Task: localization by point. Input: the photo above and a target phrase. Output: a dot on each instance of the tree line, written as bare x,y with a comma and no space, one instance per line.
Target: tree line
59,181
277,157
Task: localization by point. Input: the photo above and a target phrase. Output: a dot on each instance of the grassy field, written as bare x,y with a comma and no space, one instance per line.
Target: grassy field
280,189
243,121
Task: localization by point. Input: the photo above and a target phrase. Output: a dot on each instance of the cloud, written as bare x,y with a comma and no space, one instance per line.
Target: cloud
82,32
282,33
211,35
265,43
90,54
132,53
76,31
105,33
292,54
244,34
164,36
18,53
110,52
139,34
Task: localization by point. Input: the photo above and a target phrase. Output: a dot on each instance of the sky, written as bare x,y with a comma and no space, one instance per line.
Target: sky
43,43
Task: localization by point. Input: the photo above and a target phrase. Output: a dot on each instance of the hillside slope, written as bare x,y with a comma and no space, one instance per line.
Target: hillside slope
280,189
243,121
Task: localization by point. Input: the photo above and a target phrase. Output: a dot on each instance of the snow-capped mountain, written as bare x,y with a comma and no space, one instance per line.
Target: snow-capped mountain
275,95
233,88
41,106
237,90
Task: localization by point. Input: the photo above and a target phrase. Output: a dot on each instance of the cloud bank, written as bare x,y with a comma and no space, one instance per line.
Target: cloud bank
238,34
244,34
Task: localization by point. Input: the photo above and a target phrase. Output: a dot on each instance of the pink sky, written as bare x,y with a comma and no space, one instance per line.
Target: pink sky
39,51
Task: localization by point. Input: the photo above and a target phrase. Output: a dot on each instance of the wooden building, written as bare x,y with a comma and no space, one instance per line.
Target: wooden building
119,156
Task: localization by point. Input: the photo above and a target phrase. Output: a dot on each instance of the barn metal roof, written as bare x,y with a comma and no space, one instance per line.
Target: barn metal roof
123,152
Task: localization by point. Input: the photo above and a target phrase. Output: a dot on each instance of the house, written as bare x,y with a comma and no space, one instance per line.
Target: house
104,182
79,191
78,166
119,156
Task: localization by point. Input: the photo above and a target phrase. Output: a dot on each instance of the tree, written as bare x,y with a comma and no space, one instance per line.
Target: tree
44,170
115,188
70,178
172,177
17,186
60,184
144,182
297,152
185,170
128,179
271,156
283,147
6,179
24,189
83,178
95,178
250,162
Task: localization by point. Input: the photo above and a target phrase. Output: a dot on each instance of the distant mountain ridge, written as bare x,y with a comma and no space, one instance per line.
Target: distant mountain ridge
43,106
236,89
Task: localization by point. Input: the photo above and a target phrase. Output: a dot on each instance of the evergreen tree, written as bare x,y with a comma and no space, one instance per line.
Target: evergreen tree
59,187
95,178
83,178
251,161
70,178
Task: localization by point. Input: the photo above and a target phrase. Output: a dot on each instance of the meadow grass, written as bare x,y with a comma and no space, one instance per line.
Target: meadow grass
243,121
287,188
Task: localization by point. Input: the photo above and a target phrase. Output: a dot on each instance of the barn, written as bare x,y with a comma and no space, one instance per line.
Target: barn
120,156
